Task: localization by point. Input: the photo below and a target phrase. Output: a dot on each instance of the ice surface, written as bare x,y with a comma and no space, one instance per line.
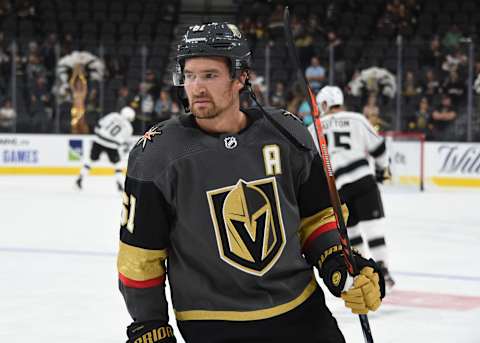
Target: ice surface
59,281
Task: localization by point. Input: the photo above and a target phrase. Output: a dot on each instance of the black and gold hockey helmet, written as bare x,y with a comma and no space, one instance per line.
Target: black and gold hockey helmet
213,39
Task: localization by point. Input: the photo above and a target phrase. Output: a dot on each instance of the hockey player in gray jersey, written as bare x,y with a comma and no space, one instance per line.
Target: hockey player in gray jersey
352,144
231,205
112,132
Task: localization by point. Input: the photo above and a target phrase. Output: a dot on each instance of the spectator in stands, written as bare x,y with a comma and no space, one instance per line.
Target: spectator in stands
275,22
7,116
421,120
143,102
5,7
25,8
124,98
41,109
151,82
34,68
430,86
443,119
116,66
410,90
336,43
386,23
476,87
165,107
5,67
248,28
67,45
432,57
20,62
314,27
260,29
315,74
454,61
303,41
48,57
451,39
455,87
279,97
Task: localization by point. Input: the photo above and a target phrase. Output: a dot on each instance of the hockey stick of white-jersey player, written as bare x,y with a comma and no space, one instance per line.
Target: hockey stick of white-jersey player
333,192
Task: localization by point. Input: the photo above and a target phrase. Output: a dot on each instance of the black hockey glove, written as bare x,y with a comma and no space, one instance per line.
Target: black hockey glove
362,293
382,174
151,331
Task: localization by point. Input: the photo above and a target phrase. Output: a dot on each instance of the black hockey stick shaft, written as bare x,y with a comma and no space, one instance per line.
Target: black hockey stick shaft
333,192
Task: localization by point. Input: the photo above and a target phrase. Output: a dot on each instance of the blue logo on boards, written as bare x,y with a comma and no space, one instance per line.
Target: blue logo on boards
75,149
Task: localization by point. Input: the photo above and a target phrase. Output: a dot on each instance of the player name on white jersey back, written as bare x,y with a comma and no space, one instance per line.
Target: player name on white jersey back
352,143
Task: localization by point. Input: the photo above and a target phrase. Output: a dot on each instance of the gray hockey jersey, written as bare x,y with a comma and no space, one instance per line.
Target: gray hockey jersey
235,221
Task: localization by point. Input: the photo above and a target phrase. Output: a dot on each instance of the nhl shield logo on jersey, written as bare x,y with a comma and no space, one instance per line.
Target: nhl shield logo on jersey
248,224
230,142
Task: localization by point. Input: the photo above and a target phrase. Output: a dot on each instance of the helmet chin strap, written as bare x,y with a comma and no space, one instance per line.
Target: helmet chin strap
182,96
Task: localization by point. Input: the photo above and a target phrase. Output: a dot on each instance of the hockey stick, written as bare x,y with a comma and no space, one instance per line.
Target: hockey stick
333,192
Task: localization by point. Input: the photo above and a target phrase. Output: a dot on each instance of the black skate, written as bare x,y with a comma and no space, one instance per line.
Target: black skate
78,183
389,282
119,186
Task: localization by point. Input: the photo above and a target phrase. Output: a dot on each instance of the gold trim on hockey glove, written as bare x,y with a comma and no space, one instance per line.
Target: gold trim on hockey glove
249,315
140,264
319,220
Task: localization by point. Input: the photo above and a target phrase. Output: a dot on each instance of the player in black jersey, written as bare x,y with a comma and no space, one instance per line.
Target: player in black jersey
236,201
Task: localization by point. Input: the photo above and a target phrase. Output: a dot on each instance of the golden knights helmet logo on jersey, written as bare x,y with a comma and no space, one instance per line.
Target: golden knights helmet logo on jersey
248,224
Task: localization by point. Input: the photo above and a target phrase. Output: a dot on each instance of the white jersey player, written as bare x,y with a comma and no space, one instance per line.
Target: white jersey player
111,133
352,145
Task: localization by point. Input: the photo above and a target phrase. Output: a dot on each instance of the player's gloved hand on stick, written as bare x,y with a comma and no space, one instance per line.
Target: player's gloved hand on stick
362,293
365,294
151,331
382,174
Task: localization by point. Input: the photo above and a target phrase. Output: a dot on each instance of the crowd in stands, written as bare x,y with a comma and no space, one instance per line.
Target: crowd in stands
364,34
133,41
336,40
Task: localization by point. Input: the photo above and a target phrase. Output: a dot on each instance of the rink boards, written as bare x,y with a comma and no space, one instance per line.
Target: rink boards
50,155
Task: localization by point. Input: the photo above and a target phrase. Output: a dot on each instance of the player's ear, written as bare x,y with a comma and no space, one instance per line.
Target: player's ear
241,80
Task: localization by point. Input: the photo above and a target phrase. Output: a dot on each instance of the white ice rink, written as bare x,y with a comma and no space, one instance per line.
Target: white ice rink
58,278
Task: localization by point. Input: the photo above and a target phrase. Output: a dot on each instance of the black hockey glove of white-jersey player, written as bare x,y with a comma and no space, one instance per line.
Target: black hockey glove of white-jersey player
382,174
151,331
362,293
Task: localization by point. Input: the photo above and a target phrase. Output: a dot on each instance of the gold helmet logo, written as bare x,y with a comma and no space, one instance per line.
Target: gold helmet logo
248,224
236,32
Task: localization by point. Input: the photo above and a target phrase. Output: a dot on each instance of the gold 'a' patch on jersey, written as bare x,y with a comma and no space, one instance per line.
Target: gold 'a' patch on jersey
248,224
